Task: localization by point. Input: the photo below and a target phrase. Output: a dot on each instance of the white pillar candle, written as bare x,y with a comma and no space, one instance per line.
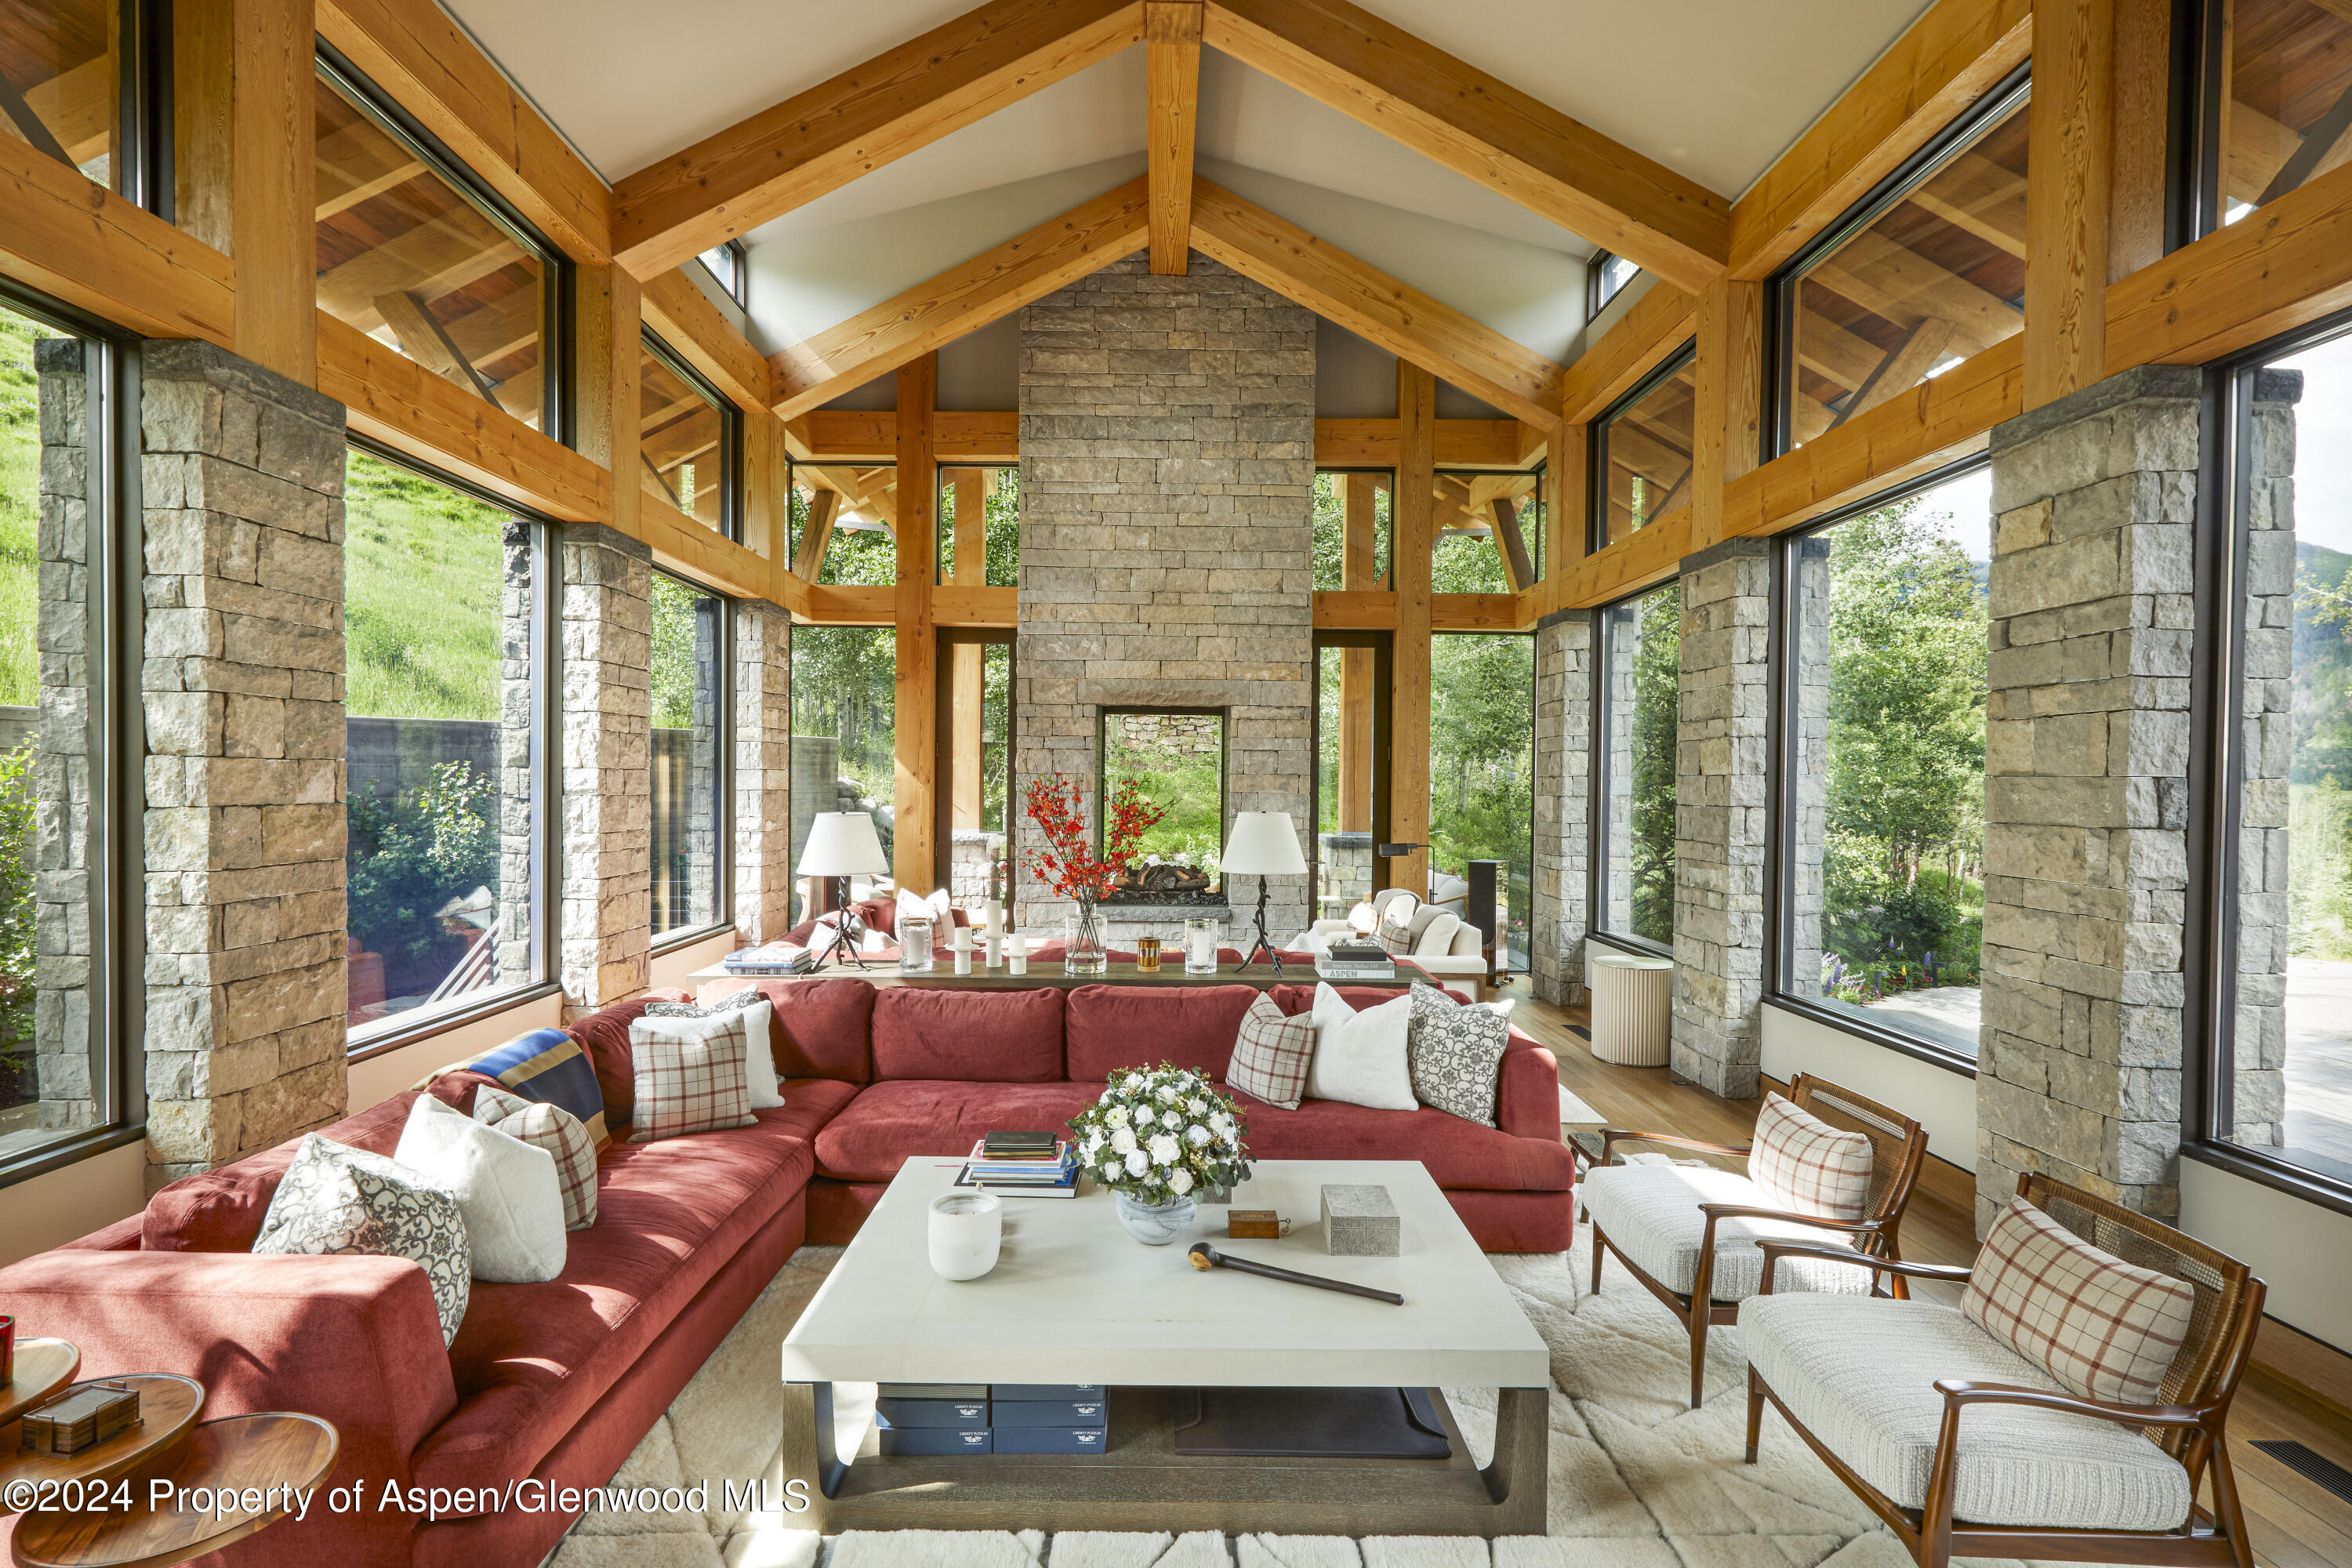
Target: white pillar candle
962,957
966,1232
1016,953
995,918
960,940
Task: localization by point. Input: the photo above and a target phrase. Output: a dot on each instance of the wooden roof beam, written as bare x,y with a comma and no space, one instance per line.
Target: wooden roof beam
962,299
1374,306
1508,140
1171,32
904,98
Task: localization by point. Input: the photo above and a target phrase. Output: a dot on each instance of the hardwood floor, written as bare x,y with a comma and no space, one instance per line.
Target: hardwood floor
2294,1522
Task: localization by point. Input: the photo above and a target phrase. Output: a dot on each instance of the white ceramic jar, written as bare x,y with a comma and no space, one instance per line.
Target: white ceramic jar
967,1229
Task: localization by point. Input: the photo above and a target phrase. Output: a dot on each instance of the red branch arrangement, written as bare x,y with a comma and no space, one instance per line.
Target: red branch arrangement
1069,865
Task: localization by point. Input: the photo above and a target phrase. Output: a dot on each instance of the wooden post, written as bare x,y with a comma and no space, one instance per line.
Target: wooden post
609,359
968,692
2067,189
1172,31
1728,386
914,849
2142,116
1568,498
1413,508
1358,569
766,511
816,535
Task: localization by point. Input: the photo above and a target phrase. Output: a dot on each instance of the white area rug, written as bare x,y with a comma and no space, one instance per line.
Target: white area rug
1637,1479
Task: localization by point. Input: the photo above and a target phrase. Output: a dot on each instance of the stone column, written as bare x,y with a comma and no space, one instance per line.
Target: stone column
607,877
763,782
242,686
2086,760
1563,879
59,776
2266,749
1720,770
517,706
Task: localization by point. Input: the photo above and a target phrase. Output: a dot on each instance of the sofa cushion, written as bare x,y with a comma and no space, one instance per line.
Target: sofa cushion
979,1036
221,1211
531,1360
1650,1214
1829,1357
897,1118
1458,1154
810,1103
605,1036
1111,1027
821,1028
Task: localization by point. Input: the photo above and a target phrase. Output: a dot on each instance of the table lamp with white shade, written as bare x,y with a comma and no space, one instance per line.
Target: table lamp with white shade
1263,844
841,844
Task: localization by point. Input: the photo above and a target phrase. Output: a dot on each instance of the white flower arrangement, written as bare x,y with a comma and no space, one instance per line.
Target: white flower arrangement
1162,1133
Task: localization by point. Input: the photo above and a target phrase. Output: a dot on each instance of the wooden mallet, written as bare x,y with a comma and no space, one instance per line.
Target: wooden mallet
1206,1258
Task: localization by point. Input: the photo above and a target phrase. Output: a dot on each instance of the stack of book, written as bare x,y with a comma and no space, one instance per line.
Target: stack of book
1022,1164
1358,958
776,958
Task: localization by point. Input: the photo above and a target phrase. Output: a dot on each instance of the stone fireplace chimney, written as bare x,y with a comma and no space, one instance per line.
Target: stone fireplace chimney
1167,521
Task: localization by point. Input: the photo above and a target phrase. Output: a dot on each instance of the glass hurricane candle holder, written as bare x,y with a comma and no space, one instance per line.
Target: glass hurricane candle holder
914,944
1201,935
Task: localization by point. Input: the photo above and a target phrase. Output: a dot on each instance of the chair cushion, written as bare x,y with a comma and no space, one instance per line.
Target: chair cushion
2103,1328
1114,1027
980,1037
1803,1164
1859,1373
1650,1214
1455,1054
533,1360
900,1117
555,1130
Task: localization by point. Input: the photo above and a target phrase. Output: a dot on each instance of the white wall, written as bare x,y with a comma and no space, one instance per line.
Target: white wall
1944,1101
2302,1250
379,1077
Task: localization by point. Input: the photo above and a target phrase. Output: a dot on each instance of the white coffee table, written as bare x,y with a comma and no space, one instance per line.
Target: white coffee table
1074,1300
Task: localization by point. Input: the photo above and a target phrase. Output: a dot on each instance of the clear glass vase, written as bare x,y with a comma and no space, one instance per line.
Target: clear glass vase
1082,940
1156,1224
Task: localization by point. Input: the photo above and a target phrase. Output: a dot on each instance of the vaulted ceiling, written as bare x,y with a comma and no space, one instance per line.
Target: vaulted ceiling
1713,90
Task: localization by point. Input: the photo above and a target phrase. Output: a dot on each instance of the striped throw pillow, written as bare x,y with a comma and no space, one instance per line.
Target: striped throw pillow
2105,1328
1807,1166
689,1075
547,1066
555,1130
1271,1054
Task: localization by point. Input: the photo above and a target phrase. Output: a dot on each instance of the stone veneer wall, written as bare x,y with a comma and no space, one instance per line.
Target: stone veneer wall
518,708
1720,787
242,684
2086,790
1563,834
607,873
1167,504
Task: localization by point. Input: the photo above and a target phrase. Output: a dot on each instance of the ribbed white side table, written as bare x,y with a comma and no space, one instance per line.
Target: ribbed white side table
1632,999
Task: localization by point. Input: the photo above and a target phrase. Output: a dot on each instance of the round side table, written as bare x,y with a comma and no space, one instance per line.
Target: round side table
43,1366
270,1454
1632,1000
168,1406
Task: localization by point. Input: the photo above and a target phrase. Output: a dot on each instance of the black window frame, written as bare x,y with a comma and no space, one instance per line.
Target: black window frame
1597,452
2200,80
115,848
2209,1019
1781,675
1224,718
736,288
730,432
1597,804
722,784
546,772
2012,92
1597,292
560,280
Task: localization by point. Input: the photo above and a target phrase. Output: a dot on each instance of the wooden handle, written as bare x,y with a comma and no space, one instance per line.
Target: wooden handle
1204,1257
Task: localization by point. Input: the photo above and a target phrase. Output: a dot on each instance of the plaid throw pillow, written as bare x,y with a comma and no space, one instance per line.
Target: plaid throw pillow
689,1075
1395,936
2105,1328
1807,1166
1271,1055
555,1130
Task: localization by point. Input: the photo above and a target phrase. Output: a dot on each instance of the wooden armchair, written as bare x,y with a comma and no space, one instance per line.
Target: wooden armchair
1669,1236
2130,1482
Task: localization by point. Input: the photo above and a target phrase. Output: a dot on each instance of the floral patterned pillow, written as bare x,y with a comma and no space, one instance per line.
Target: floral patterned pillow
1455,1053
338,1199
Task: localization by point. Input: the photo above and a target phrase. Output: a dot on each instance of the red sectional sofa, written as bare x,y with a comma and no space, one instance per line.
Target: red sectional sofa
558,1382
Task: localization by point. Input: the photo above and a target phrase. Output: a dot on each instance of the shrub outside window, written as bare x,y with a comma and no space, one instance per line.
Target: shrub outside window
1883,842
1352,528
1640,711
845,716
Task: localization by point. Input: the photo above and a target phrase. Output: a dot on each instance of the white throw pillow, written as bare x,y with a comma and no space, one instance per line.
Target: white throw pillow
506,1189
933,908
1437,939
1360,1058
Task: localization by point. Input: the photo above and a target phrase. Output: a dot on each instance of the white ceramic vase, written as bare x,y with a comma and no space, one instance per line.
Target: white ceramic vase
967,1230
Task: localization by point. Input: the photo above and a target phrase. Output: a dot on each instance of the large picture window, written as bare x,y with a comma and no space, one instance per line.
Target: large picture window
445,736
1352,774
688,755
2277,110
58,1078
1639,708
844,723
1352,528
1641,451
1489,536
688,439
1883,797
845,524
2283,1075
1482,748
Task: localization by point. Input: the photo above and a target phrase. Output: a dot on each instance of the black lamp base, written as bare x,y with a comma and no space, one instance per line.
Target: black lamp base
1264,943
847,930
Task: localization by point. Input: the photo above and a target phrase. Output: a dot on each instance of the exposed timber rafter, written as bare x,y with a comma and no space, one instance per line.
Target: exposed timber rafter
1374,306
1508,140
1171,31
962,299
874,113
